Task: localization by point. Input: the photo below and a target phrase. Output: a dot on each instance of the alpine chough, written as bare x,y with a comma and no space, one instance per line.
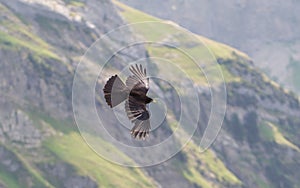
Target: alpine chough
134,92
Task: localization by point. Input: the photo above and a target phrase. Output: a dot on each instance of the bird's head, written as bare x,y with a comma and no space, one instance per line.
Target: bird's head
149,100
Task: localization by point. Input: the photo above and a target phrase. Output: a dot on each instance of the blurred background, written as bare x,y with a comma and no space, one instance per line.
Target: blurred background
256,45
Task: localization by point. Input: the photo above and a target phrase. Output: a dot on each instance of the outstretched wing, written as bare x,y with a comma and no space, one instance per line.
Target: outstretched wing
139,115
138,81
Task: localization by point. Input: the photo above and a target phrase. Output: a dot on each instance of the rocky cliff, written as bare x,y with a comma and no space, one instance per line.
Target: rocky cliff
41,44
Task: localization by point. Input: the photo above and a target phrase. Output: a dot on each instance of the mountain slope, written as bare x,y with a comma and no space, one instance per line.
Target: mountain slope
40,47
258,28
256,124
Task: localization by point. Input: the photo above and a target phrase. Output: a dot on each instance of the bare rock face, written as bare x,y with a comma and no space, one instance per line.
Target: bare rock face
8,161
43,43
80,182
19,129
10,164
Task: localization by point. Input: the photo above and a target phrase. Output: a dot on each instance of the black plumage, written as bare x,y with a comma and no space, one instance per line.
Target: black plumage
134,92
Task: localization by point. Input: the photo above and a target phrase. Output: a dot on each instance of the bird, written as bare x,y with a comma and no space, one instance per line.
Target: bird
134,93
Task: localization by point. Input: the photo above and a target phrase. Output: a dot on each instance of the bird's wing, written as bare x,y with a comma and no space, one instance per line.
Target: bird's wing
139,115
138,81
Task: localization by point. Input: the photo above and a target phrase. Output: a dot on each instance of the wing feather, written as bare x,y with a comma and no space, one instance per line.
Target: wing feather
138,81
139,115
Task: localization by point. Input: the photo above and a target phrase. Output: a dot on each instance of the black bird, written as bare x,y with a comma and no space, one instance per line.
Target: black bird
134,92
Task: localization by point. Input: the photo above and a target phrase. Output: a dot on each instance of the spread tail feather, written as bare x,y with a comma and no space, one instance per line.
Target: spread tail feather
115,91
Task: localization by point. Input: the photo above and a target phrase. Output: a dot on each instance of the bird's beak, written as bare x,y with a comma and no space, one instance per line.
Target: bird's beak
154,101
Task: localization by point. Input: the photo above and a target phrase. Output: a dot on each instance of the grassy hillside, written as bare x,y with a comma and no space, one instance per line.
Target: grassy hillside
197,164
88,163
239,72
46,49
194,45
64,145
135,16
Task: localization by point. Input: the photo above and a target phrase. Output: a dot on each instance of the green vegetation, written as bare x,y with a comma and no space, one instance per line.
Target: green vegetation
132,15
202,50
16,35
206,163
183,63
17,38
195,177
9,179
40,181
222,50
211,164
153,33
197,164
13,42
266,132
280,139
25,170
39,119
66,144
87,162
270,132
76,3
